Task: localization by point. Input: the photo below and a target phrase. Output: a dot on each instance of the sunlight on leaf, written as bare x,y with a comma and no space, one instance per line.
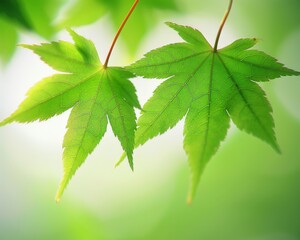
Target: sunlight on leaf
209,88
95,94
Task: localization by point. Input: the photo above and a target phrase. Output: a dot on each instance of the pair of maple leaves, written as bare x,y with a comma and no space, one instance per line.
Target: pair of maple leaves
208,87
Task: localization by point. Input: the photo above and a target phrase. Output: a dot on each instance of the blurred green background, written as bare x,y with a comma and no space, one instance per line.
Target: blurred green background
247,192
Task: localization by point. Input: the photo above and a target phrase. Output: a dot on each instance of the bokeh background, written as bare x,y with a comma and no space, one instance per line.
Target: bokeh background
247,192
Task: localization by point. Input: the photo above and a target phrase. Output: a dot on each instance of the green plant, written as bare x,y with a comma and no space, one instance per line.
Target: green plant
207,85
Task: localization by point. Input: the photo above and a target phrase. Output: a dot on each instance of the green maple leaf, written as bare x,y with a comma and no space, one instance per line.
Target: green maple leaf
208,87
95,93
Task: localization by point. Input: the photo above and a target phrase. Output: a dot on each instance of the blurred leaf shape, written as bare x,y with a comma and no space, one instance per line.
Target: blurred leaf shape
96,94
208,87
41,14
33,15
13,10
38,218
145,16
8,40
279,19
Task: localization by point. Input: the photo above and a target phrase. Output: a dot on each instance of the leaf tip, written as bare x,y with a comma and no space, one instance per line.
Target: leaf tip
58,195
73,34
189,200
5,122
274,144
70,31
117,164
171,24
131,167
194,182
191,195
122,158
277,149
61,189
130,161
297,73
57,199
27,46
138,106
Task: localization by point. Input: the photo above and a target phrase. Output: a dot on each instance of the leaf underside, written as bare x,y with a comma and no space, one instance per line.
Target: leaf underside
97,95
208,88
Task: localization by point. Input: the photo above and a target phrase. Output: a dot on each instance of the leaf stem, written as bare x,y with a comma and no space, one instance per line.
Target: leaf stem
119,32
222,25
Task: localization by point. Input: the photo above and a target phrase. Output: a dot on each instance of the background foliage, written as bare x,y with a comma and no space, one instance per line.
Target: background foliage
247,192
